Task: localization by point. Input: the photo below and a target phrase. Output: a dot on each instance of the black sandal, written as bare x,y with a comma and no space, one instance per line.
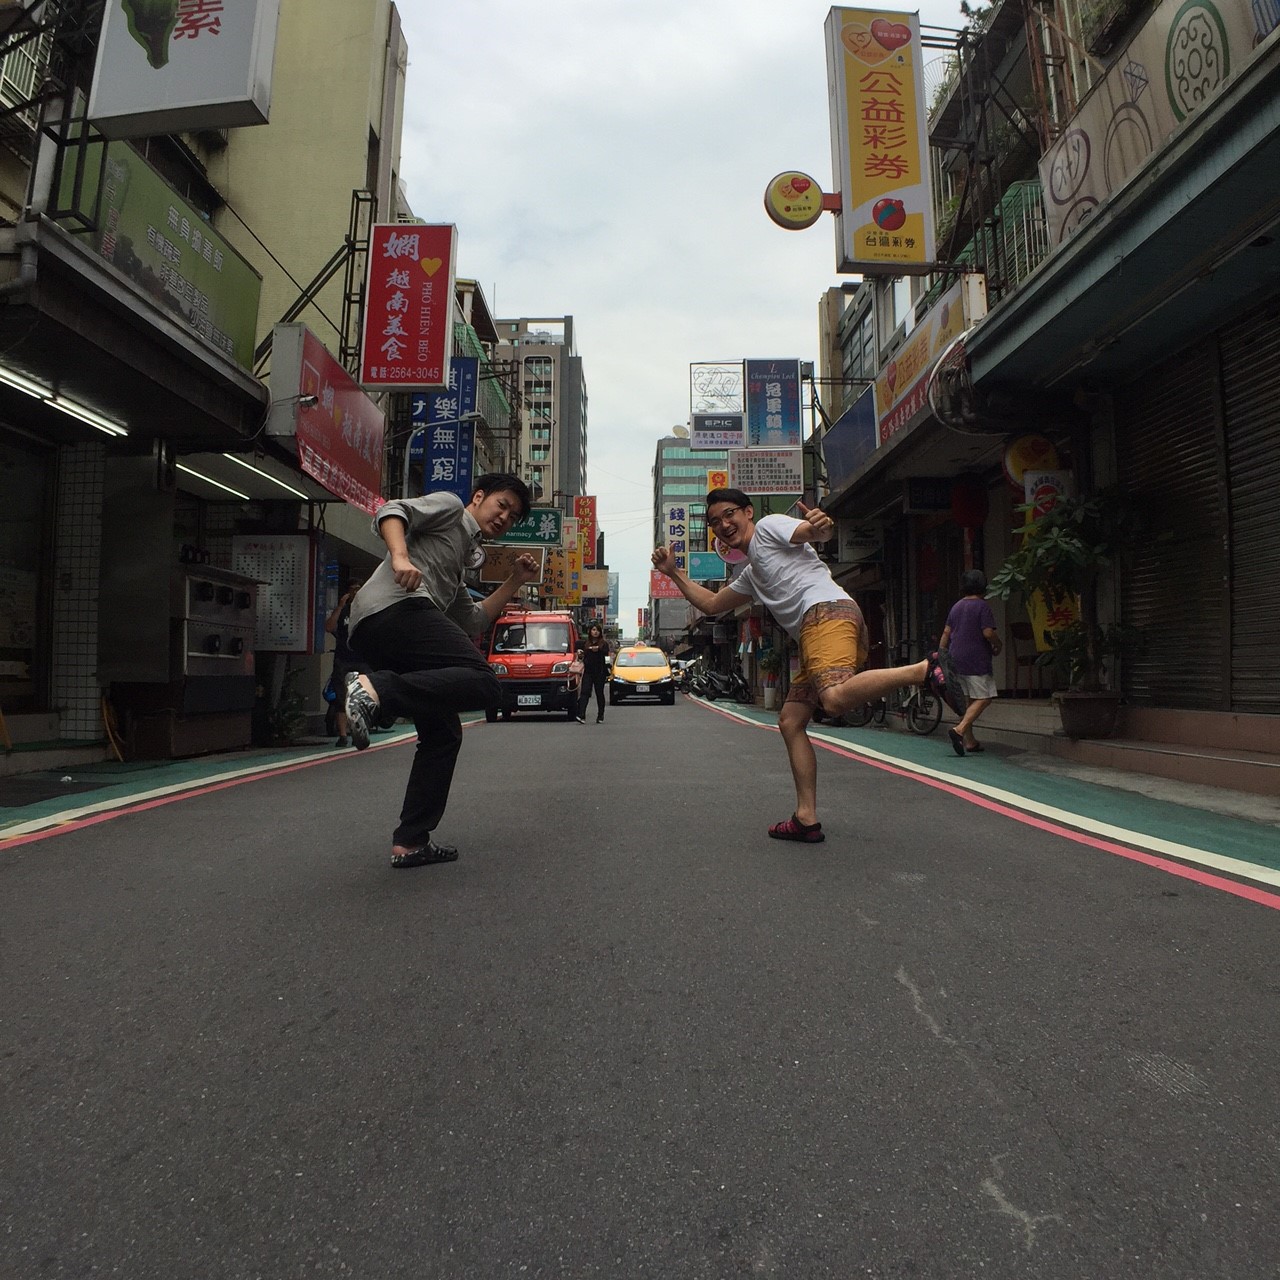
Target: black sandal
424,855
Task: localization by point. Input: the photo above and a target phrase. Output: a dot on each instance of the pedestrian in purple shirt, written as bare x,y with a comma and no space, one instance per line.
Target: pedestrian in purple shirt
972,640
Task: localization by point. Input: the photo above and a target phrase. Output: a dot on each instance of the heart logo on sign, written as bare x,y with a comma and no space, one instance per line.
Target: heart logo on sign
890,35
891,375
800,185
859,42
431,265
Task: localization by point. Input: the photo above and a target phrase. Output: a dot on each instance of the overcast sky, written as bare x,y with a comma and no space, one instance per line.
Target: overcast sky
608,160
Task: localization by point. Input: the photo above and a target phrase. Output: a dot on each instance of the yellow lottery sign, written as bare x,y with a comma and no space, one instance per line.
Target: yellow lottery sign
878,121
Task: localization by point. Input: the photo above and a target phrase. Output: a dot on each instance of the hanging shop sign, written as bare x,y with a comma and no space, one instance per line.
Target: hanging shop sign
761,471
1030,452
859,540
902,385
717,431
879,141
543,526
793,200
407,336
584,510
500,562
169,253
339,431
705,566
170,66
441,440
661,587
676,524
852,439
773,403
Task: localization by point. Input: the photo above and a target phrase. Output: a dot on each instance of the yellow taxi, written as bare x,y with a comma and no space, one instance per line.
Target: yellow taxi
640,671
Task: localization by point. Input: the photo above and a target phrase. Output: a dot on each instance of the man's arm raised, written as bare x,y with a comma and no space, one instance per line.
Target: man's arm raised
710,602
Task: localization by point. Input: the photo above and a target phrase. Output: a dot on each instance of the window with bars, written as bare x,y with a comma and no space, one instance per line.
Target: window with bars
21,71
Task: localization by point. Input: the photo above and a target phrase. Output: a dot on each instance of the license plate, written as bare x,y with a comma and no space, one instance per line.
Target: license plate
642,688
528,699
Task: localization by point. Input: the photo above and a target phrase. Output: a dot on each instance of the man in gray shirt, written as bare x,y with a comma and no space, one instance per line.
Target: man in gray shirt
410,628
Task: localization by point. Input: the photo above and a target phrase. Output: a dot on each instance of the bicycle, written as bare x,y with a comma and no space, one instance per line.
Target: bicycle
921,708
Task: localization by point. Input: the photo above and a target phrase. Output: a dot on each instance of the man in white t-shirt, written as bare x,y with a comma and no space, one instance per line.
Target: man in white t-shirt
784,574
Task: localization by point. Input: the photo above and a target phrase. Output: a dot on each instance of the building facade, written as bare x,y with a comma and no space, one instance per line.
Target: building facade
1126,330
552,389
132,392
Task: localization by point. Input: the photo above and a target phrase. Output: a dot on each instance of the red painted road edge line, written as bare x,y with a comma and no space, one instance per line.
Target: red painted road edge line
186,794
1262,897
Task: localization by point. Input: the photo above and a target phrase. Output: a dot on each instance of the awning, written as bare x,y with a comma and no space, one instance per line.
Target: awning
73,327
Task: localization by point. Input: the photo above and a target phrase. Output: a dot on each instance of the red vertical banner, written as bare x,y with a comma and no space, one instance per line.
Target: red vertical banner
406,339
584,510
340,437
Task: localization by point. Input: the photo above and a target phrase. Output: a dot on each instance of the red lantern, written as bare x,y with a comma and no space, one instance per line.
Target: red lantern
968,502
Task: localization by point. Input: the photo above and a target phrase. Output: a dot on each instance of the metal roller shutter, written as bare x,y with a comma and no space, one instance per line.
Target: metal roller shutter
1167,432
1251,386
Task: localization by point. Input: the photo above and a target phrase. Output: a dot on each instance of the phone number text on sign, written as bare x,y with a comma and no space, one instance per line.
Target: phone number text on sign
767,471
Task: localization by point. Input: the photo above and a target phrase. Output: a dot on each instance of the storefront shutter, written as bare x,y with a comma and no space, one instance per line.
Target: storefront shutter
1174,589
1251,387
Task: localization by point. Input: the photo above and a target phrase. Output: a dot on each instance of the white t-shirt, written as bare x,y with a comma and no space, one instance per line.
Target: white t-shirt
786,577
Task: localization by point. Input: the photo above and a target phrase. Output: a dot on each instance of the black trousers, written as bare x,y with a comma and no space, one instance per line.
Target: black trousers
423,666
590,682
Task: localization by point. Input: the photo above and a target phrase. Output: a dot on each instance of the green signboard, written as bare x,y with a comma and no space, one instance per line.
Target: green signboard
167,249
541,527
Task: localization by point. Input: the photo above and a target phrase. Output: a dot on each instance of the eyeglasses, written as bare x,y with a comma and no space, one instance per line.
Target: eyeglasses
715,522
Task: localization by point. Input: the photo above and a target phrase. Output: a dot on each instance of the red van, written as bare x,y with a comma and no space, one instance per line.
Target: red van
530,651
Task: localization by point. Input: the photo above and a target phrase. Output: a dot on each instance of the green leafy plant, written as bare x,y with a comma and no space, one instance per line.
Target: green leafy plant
1063,555
770,664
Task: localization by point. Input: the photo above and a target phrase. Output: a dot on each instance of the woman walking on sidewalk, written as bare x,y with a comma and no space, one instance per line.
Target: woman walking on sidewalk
971,638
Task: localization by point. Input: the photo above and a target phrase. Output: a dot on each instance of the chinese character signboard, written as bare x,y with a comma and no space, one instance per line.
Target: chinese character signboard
169,252
595,584
447,443
572,531
677,533
584,510
879,141
407,337
661,587
763,471
773,404
500,562
340,437
541,527
718,431
168,66
901,386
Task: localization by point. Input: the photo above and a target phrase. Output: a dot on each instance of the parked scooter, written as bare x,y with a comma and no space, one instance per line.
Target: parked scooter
695,681
729,684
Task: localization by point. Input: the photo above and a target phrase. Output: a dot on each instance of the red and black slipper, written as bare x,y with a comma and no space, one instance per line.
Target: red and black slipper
794,829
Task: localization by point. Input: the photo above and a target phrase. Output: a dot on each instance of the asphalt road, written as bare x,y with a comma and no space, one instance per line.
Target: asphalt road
626,1035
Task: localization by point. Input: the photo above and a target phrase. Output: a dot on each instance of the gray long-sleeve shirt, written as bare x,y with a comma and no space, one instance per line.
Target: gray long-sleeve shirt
442,539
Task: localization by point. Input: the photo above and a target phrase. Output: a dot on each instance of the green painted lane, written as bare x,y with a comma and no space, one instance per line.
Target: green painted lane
1136,818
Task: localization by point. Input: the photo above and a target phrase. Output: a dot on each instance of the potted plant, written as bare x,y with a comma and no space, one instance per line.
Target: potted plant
770,664
1063,555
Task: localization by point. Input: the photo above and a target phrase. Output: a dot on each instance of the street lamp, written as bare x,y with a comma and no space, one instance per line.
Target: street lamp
429,426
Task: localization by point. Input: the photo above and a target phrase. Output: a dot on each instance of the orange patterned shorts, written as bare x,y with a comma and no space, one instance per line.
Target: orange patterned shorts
833,646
